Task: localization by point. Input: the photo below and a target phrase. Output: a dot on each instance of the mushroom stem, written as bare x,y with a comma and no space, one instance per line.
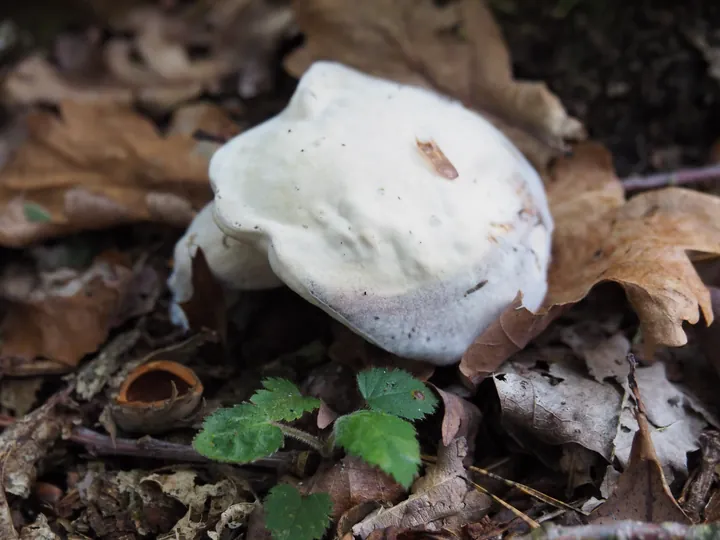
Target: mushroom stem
303,436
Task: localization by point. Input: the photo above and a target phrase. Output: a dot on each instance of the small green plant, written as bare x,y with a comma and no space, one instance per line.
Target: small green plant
290,516
380,434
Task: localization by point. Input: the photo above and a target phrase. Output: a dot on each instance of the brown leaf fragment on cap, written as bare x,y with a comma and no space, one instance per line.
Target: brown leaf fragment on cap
438,159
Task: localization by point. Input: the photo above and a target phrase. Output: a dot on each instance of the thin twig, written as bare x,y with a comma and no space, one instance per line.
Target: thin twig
625,529
527,519
539,495
99,444
681,177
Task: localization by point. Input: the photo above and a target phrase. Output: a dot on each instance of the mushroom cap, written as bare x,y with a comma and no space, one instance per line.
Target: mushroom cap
236,265
407,217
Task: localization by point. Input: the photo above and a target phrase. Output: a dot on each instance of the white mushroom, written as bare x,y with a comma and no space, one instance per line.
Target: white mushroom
402,214
236,265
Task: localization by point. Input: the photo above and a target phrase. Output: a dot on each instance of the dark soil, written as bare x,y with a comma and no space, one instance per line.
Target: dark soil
628,69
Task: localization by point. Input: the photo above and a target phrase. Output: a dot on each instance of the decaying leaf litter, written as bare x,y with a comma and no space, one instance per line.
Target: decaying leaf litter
108,129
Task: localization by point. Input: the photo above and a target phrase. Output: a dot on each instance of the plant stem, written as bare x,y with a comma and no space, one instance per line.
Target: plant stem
303,436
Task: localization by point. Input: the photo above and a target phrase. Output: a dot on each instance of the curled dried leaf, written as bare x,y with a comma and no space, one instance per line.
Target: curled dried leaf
642,493
95,166
642,244
352,482
66,315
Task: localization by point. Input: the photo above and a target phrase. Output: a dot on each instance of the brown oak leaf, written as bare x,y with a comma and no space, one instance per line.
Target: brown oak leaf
51,324
643,244
455,48
642,494
97,165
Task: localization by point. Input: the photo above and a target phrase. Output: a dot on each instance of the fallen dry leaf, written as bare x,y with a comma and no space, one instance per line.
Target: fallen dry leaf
712,509
441,500
19,395
353,516
642,244
351,482
35,80
455,48
548,396
642,493
675,416
604,355
204,117
208,500
400,533
695,497
92,376
38,530
325,416
28,440
555,402
95,166
147,57
50,325
235,516
118,503
7,528
510,333
206,309
460,418
252,30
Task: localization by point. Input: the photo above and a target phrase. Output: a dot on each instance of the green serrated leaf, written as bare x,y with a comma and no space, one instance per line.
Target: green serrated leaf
35,213
290,516
281,400
240,434
396,392
381,439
